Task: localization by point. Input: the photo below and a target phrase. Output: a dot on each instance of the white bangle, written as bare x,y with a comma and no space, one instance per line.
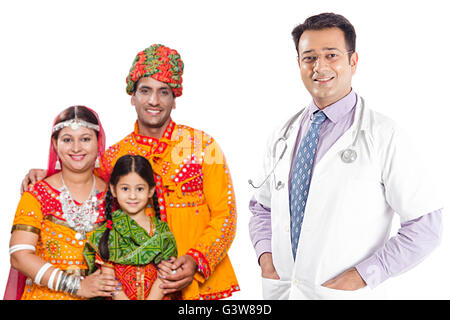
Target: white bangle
19,247
51,279
58,280
41,272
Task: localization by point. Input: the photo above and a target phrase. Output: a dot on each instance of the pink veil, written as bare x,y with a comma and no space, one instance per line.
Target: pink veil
16,280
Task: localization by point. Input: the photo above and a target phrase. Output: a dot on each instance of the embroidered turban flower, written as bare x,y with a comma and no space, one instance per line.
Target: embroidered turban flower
159,62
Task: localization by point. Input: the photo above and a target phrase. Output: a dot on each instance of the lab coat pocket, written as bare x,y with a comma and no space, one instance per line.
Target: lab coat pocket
334,294
274,289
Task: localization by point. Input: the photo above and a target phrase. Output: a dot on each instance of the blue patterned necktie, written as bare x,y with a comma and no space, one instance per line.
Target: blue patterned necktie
301,177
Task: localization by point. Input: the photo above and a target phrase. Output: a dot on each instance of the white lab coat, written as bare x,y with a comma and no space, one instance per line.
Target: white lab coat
349,208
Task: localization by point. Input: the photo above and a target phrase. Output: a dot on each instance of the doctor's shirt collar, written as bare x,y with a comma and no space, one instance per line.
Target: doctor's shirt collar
336,111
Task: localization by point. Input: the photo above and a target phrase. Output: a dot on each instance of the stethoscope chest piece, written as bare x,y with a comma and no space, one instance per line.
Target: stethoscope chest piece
279,186
349,156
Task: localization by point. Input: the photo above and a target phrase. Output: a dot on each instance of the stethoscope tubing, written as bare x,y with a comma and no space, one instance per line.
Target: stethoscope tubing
348,155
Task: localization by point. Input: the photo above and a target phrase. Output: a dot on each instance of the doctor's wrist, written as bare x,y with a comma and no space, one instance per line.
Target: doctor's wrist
268,270
264,258
372,271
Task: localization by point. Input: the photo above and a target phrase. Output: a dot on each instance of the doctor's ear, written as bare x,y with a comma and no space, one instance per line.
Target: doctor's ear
354,61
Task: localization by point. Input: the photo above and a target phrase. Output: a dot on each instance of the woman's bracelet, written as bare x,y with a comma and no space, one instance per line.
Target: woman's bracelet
68,283
40,273
52,278
65,282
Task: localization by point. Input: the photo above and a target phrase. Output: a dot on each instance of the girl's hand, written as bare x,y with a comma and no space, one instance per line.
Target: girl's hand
156,293
165,266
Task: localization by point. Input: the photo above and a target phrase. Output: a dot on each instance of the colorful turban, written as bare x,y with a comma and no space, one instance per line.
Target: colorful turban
159,62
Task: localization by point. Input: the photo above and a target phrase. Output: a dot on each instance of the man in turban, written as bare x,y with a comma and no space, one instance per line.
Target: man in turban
194,187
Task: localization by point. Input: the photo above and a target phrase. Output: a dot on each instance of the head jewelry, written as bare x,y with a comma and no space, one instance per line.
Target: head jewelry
74,124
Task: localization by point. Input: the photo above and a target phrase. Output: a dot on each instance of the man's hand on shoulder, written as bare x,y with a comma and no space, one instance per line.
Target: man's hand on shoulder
33,176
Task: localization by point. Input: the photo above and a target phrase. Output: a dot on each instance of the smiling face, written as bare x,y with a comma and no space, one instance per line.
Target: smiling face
154,102
132,193
325,66
76,149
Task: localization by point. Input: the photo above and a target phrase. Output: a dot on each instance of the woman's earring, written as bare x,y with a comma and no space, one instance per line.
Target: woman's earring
58,164
97,163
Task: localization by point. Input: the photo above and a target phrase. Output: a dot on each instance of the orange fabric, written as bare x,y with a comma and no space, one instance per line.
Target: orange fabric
196,198
40,208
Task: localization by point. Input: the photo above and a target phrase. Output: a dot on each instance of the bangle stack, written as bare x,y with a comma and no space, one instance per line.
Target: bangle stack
68,283
65,282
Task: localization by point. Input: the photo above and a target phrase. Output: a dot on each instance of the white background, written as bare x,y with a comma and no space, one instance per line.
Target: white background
241,79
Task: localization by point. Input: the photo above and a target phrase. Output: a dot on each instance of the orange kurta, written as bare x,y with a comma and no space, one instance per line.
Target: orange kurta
196,198
39,211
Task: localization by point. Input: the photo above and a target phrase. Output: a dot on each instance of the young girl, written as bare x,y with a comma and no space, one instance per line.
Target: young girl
131,242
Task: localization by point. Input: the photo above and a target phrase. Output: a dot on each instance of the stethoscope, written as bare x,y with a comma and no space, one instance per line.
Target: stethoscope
348,155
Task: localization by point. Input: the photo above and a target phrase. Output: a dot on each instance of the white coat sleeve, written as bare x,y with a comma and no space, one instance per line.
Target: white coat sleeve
412,189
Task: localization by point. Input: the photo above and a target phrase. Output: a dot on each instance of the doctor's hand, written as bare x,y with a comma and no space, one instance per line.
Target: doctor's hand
267,268
33,176
348,280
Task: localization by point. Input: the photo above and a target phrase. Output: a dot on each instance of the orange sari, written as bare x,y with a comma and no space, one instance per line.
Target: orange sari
39,211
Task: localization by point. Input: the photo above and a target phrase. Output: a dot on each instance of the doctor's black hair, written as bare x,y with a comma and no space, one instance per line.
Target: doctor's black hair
125,165
326,21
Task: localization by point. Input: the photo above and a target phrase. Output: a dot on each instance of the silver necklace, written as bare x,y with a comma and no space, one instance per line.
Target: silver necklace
80,218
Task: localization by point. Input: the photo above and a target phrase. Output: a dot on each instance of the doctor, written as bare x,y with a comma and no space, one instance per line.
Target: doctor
333,177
